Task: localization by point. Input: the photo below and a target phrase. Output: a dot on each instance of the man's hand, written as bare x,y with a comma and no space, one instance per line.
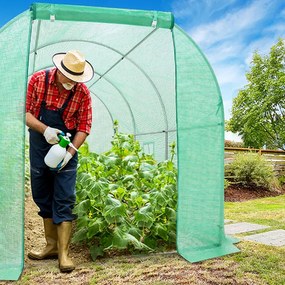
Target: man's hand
51,135
67,157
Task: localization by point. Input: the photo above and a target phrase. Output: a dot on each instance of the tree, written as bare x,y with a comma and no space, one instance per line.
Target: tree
258,111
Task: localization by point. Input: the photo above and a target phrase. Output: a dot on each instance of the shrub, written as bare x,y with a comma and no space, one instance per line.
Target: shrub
281,180
252,169
125,199
226,183
229,143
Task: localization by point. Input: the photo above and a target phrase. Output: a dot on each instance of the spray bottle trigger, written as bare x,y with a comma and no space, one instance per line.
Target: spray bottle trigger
60,135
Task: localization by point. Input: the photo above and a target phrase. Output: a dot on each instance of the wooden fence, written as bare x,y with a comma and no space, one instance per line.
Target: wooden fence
275,157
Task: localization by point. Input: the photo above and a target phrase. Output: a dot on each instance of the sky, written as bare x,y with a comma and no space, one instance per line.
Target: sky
227,31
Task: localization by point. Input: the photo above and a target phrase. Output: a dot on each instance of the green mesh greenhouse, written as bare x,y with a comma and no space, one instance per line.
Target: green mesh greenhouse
153,79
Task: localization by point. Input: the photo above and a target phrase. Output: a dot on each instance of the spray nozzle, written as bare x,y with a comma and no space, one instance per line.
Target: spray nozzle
64,140
71,145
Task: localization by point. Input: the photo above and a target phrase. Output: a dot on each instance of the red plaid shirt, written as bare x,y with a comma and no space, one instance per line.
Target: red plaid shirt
78,113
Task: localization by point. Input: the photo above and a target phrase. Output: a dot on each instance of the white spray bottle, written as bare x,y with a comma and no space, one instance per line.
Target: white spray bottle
57,152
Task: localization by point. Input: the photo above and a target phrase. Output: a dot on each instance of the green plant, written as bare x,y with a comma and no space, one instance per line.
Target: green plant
281,180
226,183
251,169
125,199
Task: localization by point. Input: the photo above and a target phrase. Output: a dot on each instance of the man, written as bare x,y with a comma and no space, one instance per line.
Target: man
57,101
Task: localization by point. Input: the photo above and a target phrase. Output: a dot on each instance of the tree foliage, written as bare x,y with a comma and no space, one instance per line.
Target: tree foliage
258,112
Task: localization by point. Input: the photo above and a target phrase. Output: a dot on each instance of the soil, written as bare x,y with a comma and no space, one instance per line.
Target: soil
240,193
34,234
46,271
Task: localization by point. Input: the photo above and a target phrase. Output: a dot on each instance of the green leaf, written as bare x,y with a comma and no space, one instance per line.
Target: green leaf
159,197
96,226
131,158
150,241
83,207
128,178
161,231
97,189
114,208
84,178
118,211
120,192
112,201
170,213
96,251
113,186
146,174
146,196
82,221
121,239
134,195
135,242
130,167
136,232
139,201
146,167
80,235
84,149
145,216
110,160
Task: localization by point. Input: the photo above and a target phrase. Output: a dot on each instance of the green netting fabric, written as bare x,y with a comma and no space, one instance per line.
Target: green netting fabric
134,80
149,76
200,126
14,42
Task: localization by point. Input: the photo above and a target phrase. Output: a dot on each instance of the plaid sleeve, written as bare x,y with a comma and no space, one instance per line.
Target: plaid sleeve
84,118
30,95
34,90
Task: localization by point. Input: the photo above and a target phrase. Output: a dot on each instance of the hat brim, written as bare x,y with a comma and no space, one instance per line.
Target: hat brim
86,76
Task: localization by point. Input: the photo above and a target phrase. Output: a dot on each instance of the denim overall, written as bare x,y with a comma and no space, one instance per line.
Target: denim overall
53,191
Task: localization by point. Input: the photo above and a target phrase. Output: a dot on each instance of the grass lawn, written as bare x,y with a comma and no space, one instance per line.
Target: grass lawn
266,211
268,262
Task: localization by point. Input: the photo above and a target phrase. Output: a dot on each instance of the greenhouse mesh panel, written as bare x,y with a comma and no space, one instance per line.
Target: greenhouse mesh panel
200,127
14,42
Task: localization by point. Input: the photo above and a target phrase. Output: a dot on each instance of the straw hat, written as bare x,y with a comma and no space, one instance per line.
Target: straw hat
73,65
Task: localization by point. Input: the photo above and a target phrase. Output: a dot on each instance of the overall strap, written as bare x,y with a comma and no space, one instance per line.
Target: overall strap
62,108
46,87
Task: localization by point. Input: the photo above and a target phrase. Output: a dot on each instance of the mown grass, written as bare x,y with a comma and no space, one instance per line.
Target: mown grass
266,211
267,262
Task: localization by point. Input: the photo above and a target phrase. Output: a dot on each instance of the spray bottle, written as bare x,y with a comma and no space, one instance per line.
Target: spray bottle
57,152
